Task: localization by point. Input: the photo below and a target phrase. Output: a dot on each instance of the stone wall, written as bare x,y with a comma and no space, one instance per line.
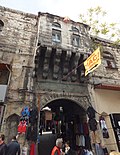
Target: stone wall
54,60
17,47
103,74
106,99
46,21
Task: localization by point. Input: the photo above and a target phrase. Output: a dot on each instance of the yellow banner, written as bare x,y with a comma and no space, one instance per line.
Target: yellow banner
93,61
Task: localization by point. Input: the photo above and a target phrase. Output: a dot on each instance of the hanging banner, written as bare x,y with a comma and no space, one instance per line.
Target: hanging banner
93,61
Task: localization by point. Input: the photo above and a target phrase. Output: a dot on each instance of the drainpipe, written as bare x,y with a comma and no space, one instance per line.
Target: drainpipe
37,38
9,75
36,47
8,80
38,97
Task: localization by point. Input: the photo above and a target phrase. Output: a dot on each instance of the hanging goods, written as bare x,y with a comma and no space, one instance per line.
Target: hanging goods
25,111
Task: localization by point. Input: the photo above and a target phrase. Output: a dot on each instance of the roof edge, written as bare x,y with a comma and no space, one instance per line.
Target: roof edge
18,11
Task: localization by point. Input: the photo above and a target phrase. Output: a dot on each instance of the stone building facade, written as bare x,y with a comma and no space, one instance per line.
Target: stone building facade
43,57
67,45
104,90
62,46
17,46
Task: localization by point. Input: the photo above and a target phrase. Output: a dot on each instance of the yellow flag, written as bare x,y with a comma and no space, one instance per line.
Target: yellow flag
93,61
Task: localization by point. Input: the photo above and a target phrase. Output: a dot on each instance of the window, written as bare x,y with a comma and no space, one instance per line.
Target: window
75,29
56,32
76,40
57,25
109,60
1,25
56,36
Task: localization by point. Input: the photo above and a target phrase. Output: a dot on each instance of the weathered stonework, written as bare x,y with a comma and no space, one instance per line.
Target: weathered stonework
82,101
104,74
17,47
52,70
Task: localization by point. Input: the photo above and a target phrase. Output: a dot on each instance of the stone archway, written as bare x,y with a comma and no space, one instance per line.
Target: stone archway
73,107
82,101
11,126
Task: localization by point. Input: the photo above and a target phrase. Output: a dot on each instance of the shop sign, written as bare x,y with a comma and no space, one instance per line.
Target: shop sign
93,61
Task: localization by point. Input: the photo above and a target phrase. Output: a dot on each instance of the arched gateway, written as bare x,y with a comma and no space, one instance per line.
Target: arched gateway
65,116
64,92
81,100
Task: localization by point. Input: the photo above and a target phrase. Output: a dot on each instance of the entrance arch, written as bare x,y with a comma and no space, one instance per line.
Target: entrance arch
66,114
11,126
82,101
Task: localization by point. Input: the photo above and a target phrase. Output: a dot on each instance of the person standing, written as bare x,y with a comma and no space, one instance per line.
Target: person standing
57,149
68,150
13,148
3,146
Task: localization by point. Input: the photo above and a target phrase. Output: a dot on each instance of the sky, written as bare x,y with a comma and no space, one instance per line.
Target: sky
70,8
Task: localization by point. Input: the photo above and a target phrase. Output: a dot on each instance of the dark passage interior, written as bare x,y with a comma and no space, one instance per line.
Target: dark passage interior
66,119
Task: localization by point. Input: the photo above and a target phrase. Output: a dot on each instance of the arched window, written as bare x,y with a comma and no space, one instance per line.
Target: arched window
76,40
57,25
1,25
56,32
75,29
109,60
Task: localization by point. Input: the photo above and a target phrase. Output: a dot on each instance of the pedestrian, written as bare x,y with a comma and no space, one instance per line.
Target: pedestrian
41,129
57,150
67,147
13,148
68,150
3,146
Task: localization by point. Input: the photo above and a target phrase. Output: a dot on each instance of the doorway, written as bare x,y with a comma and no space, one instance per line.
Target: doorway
68,121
